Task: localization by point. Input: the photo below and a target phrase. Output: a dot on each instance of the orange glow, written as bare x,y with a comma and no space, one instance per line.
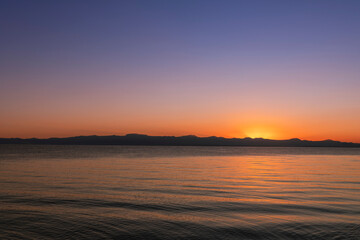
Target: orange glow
260,132
120,119
285,128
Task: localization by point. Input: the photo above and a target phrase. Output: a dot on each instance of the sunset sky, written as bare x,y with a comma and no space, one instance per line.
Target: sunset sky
272,69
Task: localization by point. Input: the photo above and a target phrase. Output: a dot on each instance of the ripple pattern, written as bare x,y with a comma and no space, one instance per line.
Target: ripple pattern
119,192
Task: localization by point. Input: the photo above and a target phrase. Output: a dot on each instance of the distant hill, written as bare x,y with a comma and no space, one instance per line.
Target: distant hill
191,140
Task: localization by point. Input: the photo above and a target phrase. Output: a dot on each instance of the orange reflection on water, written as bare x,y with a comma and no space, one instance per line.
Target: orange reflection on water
245,188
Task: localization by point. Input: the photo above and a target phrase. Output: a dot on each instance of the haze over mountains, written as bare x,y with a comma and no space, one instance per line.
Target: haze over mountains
190,140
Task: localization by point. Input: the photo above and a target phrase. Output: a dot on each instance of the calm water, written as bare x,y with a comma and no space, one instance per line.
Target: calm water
136,192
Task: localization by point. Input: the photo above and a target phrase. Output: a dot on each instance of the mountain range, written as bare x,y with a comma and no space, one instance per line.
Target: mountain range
190,140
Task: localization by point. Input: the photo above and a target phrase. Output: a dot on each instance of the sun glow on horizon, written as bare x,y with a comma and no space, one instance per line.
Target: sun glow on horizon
261,132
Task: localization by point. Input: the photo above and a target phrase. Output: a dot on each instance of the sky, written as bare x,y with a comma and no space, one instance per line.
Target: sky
271,69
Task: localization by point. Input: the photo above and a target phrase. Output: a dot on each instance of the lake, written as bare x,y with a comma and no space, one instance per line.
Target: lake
163,192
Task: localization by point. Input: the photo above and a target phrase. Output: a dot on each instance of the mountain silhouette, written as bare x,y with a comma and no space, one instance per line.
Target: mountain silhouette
190,140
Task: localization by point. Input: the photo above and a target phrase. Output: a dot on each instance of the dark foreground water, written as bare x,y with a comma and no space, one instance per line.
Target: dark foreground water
129,192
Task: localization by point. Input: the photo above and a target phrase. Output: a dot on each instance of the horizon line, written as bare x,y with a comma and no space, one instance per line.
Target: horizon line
189,135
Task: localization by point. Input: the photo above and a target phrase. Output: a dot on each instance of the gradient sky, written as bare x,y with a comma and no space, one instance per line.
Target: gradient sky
272,69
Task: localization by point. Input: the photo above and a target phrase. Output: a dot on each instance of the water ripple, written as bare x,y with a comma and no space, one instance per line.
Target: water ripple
94,192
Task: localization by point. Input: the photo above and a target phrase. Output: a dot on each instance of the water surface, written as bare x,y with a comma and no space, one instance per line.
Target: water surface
143,192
